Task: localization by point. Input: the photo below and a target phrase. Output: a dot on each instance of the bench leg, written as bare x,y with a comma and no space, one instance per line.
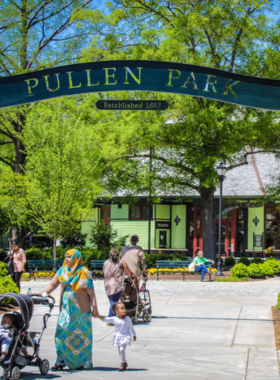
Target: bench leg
184,275
157,275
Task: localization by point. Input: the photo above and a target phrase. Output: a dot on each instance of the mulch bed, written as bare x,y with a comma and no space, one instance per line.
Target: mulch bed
276,324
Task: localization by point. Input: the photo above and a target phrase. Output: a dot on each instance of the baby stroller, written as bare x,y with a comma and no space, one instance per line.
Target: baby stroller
137,301
18,356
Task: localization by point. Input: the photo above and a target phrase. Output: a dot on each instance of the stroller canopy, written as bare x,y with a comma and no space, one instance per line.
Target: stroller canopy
26,307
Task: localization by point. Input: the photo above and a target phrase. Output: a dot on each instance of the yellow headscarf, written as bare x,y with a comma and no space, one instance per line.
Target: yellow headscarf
78,275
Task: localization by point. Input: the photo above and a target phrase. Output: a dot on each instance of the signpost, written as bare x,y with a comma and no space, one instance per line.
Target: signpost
258,242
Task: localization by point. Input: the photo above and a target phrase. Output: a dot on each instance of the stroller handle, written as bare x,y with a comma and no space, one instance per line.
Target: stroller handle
40,301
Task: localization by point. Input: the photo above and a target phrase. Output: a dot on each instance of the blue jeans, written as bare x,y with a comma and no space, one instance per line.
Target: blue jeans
112,299
203,270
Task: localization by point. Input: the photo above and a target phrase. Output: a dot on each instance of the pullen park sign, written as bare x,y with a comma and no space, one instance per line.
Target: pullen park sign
148,76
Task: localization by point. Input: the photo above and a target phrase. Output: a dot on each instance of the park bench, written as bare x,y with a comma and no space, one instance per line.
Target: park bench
163,266
36,266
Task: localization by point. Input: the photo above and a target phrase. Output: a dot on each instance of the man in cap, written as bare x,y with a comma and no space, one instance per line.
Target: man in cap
132,253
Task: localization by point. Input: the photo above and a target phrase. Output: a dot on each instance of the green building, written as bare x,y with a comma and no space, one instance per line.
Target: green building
175,223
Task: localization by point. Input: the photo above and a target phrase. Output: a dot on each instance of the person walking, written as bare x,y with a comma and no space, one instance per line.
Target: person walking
113,270
200,262
18,258
131,254
73,337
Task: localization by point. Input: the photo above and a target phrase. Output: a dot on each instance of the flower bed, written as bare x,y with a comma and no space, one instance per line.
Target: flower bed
26,276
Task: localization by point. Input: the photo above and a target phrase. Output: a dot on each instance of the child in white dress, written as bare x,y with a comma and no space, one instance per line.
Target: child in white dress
124,331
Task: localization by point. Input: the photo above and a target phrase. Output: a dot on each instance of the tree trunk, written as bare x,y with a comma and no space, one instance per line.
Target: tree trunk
208,216
54,248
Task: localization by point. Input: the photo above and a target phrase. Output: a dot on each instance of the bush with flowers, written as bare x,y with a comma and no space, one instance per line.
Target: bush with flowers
27,276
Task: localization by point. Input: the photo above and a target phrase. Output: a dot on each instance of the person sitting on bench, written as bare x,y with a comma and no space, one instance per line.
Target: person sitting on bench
200,266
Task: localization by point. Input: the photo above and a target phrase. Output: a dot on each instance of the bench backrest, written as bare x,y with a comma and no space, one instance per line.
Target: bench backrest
176,264
44,263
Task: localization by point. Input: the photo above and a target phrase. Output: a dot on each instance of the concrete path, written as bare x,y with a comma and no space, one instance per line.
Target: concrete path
199,331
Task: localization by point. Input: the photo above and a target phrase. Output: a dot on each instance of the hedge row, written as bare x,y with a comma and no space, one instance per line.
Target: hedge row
268,268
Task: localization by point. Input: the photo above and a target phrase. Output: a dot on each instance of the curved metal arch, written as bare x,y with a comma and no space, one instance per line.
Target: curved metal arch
137,75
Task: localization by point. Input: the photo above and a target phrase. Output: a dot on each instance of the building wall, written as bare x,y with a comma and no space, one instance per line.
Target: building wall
88,223
259,229
178,233
120,222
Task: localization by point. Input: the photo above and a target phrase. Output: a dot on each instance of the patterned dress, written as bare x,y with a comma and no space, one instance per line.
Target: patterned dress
73,337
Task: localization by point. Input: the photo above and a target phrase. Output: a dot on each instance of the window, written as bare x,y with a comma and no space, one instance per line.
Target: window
272,223
139,212
105,215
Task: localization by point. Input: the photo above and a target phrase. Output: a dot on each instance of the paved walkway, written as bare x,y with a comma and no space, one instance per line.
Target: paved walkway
199,331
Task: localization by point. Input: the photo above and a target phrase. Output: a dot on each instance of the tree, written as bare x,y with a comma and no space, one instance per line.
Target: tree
36,34
195,133
62,168
102,235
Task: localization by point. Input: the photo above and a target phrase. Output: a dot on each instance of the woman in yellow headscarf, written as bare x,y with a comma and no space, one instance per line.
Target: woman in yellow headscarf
73,337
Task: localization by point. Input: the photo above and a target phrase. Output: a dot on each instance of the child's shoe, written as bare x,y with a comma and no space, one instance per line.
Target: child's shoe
123,367
2,357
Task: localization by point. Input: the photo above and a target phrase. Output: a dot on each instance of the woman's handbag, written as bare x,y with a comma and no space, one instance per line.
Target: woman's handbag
192,267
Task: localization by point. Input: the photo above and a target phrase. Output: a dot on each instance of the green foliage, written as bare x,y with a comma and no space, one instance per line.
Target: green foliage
231,279
102,235
230,261
239,270
256,260
151,258
3,269
278,302
7,285
38,254
269,270
269,258
272,266
245,261
74,240
256,270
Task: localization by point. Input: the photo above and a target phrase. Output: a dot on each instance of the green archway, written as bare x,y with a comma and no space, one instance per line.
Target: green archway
150,76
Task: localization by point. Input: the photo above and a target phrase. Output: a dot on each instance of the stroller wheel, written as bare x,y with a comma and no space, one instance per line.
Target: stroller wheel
5,374
149,317
44,366
145,317
15,373
134,320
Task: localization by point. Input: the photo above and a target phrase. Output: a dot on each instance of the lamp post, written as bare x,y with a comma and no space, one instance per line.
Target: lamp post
221,171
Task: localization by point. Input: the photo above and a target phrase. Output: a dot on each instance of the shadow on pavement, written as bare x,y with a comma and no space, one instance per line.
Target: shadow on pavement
114,369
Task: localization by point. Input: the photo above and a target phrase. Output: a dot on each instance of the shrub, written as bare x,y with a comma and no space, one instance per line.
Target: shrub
239,270
74,240
230,261
39,254
273,265
277,306
245,261
3,269
256,260
7,285
102,235
256,270
269,271
268,258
